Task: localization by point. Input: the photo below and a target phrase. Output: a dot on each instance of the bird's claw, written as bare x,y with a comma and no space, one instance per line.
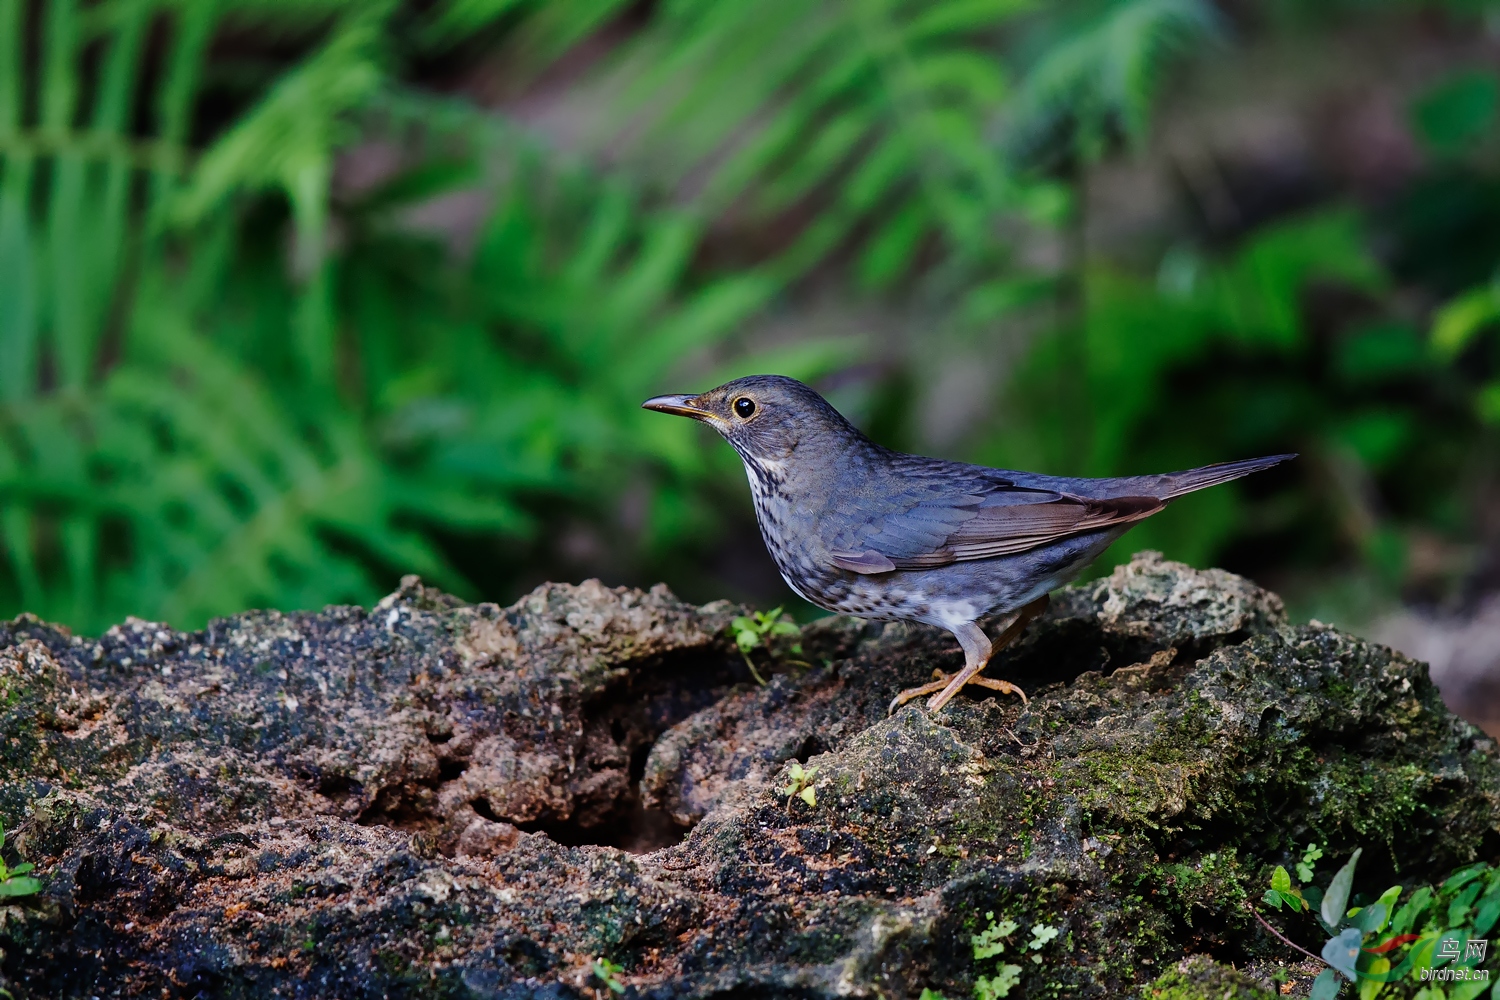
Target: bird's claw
936,687
1004,687
917,692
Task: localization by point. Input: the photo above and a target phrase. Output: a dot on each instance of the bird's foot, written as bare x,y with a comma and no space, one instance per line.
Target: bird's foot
1004,687
917,692
940,683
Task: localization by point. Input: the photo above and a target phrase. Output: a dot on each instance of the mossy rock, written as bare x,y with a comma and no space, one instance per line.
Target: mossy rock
1199,977
435,799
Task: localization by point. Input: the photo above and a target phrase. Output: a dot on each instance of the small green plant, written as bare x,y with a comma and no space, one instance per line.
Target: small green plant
754,630
1378,944
991,942
1305,867
1041,934
15,881
1458,324
999,985
1282,891
800,785
608,973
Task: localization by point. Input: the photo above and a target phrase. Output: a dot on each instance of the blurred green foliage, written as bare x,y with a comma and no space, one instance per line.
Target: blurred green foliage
230,378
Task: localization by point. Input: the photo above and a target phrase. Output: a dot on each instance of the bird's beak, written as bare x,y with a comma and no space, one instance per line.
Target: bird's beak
682,406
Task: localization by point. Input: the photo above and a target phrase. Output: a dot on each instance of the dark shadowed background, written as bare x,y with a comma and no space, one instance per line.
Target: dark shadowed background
298,297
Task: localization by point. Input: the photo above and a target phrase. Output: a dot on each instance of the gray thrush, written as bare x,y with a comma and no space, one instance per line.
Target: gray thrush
862,530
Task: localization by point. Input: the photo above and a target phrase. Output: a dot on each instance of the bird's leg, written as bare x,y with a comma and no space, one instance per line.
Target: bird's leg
977,653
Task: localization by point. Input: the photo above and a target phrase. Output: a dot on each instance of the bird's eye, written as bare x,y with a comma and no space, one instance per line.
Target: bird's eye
744,406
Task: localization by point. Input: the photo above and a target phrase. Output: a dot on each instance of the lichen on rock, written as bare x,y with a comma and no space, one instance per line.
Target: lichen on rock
437,799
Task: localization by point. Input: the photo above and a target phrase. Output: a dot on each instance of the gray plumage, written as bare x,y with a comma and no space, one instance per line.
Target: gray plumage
859,529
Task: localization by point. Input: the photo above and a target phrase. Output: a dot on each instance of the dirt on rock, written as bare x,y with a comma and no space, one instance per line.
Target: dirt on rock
585,795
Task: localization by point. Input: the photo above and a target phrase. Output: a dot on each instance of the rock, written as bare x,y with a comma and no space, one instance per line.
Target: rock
1199,977
434,799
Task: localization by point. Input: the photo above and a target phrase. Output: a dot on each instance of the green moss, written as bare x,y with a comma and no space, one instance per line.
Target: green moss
392,963
1201,978
1211,881
1374,798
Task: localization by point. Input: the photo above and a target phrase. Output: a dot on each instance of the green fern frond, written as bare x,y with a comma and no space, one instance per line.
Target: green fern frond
288,140
194,421
540,32
222,501
459,19
879,110
1097,80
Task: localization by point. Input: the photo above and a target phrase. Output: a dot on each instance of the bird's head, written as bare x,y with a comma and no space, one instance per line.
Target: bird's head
765,417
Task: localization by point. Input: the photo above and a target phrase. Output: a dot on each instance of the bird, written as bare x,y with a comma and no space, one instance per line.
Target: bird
858,529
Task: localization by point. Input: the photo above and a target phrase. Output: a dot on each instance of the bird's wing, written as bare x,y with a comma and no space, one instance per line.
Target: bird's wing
1001,520
932,513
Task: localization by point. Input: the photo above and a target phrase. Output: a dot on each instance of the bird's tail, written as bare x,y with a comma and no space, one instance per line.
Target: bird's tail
1179,483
